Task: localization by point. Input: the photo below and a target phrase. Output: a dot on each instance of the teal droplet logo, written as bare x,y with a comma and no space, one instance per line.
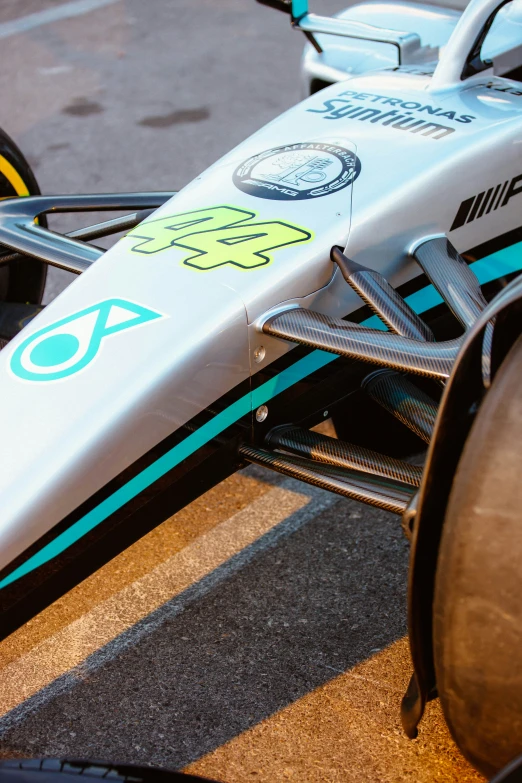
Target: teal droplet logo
66,346
57,349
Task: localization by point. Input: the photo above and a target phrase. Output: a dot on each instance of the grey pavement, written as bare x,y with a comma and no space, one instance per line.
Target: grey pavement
144,95
312,604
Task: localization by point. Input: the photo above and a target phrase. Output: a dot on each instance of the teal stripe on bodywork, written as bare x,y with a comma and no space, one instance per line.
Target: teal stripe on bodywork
503,262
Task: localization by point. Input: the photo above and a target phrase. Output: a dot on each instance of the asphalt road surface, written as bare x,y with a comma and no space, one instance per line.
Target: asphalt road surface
260,633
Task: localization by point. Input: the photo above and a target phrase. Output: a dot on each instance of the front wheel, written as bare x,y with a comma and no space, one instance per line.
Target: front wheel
22,281
478,593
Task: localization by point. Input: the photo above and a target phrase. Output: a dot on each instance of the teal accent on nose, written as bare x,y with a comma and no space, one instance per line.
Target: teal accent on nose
55,350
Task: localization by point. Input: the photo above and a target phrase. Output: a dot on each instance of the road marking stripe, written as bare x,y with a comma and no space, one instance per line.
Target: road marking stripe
64,11
198,518
57,663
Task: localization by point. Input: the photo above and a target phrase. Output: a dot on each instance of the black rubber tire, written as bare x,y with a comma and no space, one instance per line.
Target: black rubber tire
24,280
478,591
510,774
67,771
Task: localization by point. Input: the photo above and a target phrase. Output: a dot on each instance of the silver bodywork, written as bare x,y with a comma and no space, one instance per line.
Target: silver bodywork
343,57
66,438
429,28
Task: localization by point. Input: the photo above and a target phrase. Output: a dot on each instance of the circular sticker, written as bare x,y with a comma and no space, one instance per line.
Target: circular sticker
298,171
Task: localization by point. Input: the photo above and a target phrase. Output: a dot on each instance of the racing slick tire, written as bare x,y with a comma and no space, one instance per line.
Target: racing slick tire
24,280
477,621
51,770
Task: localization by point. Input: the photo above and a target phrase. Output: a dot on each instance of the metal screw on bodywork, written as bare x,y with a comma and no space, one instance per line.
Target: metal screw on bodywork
261,413
259,354
325,414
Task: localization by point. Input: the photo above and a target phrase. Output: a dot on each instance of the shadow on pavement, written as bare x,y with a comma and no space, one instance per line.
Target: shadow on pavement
311,606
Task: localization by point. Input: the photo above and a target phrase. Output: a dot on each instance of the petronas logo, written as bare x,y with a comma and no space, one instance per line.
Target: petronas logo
69,345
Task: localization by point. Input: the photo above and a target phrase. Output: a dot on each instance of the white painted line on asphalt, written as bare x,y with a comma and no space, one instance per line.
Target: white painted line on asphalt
64,11
58,663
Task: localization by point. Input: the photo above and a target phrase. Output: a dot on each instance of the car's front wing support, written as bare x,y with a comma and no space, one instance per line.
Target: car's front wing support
22,235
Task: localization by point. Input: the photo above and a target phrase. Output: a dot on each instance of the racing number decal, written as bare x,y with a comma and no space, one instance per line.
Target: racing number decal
217,236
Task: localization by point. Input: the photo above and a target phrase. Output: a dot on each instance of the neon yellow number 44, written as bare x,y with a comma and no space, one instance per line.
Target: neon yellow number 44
217,236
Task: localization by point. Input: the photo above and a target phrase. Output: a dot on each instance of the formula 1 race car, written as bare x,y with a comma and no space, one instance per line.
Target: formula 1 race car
358,259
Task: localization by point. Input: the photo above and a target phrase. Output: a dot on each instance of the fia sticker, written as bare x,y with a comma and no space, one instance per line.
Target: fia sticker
67,346
298,171
218,236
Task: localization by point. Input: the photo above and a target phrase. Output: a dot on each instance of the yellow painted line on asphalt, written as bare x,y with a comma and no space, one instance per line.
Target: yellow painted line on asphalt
346,731
72,644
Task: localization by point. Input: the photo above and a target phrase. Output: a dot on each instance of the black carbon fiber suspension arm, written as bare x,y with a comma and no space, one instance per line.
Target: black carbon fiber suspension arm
384,493
315,330
409,404
453,279
331,451
382,298
392,391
